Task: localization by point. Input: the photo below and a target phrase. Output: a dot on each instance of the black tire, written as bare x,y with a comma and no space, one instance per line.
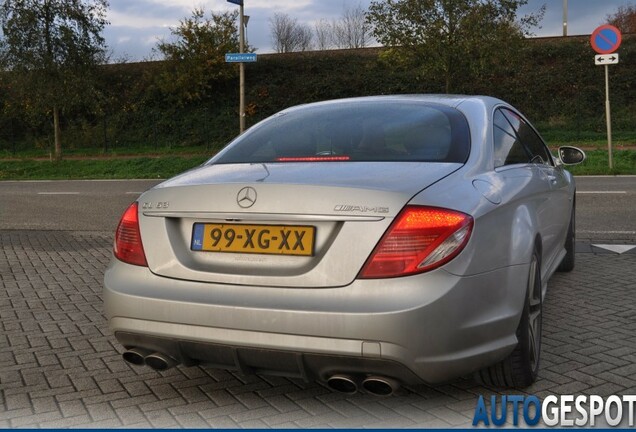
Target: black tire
521,367
567,265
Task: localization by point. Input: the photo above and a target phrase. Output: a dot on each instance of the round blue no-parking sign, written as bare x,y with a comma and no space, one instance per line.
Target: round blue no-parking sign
606,39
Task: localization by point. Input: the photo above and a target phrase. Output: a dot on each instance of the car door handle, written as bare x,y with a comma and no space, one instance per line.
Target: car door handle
552,178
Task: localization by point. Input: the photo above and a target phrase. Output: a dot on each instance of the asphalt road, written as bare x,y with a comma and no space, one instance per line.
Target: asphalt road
75,205
606,208
606,205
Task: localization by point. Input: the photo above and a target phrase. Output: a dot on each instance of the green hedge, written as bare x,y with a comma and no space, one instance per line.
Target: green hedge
556,84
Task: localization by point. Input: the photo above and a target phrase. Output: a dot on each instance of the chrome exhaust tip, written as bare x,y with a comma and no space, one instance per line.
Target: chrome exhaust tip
380,386
135,356
159,361
342,384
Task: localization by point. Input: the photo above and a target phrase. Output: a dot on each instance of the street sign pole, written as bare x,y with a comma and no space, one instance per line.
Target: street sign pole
565,18
608,116
231,57
605,41
242,70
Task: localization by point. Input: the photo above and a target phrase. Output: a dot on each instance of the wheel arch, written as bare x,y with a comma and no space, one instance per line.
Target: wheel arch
538,245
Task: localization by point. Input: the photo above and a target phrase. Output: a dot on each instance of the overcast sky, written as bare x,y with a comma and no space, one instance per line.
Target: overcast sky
137,25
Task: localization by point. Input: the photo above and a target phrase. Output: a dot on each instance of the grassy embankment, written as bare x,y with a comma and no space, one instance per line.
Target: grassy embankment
555,84
170,165
165,162
134,168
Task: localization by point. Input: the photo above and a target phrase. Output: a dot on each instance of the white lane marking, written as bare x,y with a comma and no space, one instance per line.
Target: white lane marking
84,180
77,193
606,232
606,176
619,249
28,181
117,180
601,192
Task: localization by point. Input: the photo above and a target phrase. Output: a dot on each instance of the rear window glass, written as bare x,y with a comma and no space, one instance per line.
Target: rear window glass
360,131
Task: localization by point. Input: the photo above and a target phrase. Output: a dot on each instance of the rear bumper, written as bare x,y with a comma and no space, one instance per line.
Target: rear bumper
425,328
304,365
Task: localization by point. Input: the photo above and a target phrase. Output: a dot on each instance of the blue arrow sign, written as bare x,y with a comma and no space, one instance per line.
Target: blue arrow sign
240,58
237,2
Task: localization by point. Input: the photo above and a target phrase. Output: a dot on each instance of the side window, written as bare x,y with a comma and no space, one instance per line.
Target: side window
508,148
529,138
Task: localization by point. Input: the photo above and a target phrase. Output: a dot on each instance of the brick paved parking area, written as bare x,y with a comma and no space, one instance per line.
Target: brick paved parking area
61,367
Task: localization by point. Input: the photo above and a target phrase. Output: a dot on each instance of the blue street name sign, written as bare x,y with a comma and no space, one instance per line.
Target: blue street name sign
237,2
240,58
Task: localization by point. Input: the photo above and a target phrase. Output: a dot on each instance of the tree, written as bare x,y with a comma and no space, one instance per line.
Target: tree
196,55
460,40
304,37
324,37
288,35
352,29
50,49
624,18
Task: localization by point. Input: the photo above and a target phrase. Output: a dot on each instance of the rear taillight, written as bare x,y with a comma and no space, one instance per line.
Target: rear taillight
418,240
128,247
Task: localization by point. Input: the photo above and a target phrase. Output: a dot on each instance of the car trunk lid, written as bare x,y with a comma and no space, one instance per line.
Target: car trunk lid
344,207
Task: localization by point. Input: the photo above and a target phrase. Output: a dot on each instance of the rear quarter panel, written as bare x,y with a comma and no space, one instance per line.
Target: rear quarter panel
505,208
504,233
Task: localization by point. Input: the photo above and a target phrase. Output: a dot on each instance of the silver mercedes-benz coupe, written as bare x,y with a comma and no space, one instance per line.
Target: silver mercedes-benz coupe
365,243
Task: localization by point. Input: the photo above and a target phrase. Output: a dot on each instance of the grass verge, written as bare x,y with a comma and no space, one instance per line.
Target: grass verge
168,166
597,163
556,137
142,167
92,152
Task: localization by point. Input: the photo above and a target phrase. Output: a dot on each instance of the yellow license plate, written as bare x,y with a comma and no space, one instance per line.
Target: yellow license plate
256,239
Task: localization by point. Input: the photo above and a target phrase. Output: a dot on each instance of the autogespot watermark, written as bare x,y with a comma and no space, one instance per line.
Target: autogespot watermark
564,410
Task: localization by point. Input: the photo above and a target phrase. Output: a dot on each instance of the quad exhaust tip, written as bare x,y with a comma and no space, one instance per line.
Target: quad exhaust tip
376,385
154,360
342,384
136,356
159,361
380,386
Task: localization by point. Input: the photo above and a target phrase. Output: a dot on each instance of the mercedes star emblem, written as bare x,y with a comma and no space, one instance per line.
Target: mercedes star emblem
246,197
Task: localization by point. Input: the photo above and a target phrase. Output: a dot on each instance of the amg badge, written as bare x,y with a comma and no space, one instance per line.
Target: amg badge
360,209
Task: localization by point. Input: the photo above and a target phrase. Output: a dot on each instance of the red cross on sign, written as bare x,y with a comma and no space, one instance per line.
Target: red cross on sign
606,39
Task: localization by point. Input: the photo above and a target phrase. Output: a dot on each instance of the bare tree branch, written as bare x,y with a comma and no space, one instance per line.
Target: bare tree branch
624,18
324,35
352,29
288,35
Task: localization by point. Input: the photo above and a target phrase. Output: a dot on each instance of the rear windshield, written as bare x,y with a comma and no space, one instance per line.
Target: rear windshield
357,131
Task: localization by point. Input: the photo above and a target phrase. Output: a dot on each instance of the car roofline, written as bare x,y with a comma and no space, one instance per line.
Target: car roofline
449,100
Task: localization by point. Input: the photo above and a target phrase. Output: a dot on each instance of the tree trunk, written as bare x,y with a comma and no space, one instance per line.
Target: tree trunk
57,133
448,73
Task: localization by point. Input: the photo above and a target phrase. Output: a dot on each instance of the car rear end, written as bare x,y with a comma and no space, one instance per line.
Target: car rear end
299,251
